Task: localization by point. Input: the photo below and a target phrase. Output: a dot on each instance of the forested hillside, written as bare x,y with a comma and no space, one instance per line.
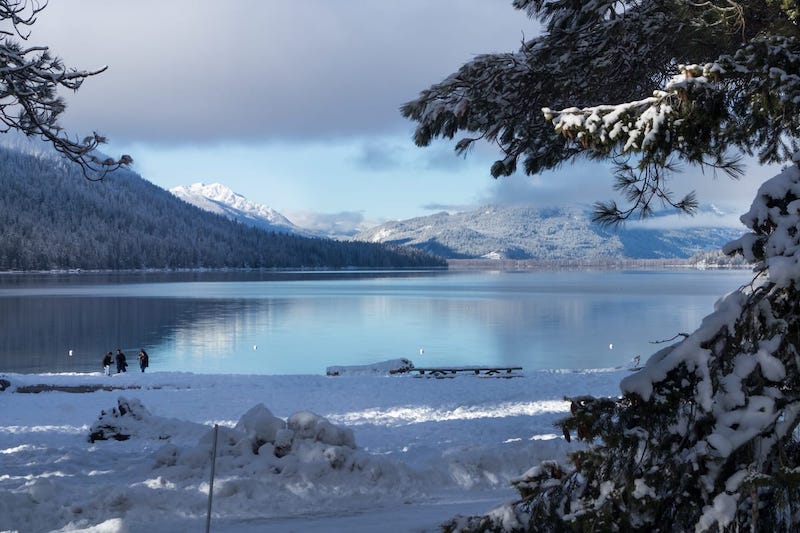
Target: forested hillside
53,218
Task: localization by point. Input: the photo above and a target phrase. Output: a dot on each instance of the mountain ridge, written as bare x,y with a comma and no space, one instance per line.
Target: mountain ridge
520,232
498,232
52,218
220,199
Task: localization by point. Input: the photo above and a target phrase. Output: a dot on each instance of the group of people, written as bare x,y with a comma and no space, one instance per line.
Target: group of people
122,363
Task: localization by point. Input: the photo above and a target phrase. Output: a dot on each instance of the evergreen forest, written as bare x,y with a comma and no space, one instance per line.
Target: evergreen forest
52,218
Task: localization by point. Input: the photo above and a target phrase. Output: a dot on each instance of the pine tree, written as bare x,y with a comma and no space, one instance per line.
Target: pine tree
704,437
592,55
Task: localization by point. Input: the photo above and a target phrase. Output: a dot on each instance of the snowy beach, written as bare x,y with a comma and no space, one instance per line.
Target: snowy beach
360,452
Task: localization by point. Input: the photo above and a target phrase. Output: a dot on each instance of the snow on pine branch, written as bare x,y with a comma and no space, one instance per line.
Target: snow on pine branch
774,217
749,100
638,126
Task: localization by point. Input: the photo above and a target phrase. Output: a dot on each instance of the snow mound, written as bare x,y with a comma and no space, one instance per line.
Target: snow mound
307,425
392,366
303,463
424,452
261,426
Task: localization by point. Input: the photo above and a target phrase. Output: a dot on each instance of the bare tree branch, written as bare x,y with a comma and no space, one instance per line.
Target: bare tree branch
29,80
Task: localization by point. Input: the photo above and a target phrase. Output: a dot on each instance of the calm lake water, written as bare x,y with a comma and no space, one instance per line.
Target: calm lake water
300,323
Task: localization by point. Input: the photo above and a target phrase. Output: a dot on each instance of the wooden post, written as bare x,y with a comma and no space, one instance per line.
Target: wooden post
211,483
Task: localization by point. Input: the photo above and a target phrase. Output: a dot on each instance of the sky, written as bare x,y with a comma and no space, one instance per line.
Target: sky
295,105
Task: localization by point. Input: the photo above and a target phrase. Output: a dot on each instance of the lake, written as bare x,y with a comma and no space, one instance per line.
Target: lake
303,322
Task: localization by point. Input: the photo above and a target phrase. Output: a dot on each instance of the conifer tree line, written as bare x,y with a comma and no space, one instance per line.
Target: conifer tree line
51,217
705,436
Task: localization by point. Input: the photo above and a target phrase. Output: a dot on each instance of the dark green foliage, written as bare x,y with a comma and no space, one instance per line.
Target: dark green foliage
661,464
705,437
51,217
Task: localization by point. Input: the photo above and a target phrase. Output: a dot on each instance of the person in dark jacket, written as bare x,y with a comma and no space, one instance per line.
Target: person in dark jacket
107,364
122,364
144,359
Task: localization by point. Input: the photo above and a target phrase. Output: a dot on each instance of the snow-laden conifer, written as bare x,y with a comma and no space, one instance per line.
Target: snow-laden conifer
646,84
704,437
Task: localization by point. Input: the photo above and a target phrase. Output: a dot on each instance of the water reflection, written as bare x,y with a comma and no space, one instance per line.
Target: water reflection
38,333
300,323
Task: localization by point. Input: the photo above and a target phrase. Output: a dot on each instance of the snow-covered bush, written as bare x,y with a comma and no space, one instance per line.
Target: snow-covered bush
304,463
306,425
704,437
120,422
260,438
300,461
260,426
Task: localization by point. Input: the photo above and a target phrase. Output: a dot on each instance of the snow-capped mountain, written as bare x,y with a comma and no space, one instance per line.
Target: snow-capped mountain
495,232
219,199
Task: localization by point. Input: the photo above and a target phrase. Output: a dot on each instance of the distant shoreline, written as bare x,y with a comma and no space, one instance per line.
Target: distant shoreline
456,265
78,271
511,265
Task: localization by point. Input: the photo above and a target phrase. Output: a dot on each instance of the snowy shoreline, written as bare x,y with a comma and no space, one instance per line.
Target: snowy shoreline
424,449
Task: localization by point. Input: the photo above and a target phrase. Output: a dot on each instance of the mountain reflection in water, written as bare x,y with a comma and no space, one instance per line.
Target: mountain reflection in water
294,323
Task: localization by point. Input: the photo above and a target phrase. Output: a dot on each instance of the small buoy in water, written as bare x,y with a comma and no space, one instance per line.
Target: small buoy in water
255,346
70,353
611,346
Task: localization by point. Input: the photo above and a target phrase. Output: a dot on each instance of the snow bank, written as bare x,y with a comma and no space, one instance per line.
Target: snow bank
355,453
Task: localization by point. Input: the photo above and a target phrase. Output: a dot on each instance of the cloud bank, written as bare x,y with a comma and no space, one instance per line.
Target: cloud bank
245,71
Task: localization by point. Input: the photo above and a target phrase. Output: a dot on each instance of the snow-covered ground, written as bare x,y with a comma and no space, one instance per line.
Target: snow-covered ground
361,451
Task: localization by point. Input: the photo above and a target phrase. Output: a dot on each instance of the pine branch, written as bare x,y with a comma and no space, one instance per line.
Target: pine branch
29,80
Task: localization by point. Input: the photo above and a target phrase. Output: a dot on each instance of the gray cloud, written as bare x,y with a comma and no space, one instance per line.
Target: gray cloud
701,220
589,182
390,154
577,183
198,71
344,223
442,156
379,156
259,71
450,208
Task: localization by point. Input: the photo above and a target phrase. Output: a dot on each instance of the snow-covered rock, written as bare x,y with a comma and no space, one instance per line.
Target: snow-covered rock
392,366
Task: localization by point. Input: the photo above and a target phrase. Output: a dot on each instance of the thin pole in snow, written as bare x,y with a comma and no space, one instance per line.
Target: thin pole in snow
211,483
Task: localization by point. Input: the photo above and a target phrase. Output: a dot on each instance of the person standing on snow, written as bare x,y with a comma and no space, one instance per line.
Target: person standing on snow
122,364
144,359
107,364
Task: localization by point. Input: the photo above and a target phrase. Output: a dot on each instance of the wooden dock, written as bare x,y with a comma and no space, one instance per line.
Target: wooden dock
450,372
